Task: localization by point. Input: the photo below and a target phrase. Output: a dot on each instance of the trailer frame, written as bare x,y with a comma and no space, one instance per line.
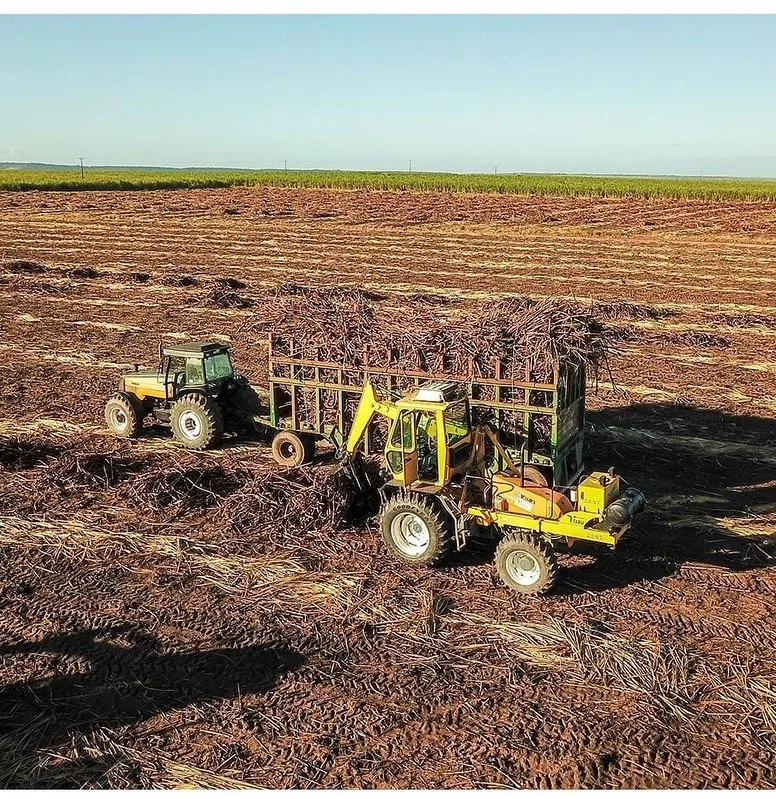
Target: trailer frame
292,371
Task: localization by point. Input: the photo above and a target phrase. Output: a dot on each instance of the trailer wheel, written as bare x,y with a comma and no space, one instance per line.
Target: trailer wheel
292,449
526,563
414,530
124,415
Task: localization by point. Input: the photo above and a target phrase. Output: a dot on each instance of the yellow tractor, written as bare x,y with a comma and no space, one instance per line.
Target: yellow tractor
194,390
440,490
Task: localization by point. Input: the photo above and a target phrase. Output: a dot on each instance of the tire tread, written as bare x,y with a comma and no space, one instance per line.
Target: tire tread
539,547
422,505
132,407
213,416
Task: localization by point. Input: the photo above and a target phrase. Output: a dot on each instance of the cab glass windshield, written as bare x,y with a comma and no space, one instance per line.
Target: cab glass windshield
456,423
402,435
218,366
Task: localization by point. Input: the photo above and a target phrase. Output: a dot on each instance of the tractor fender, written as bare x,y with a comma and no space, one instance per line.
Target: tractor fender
133,399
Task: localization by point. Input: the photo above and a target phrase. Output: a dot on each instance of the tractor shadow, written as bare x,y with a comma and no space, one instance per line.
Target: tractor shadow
710,482
127,680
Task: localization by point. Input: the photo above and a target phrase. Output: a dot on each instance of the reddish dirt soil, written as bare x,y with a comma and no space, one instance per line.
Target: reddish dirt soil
167,644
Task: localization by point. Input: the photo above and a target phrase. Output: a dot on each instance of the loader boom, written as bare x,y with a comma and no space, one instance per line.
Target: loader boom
369,406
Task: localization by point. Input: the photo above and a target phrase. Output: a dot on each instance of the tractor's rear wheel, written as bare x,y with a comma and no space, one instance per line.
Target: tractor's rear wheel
197,421
414,530
526,563
124,415
292,449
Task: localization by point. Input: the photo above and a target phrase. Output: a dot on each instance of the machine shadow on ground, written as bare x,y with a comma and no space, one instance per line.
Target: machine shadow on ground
707,486
127,681
692,496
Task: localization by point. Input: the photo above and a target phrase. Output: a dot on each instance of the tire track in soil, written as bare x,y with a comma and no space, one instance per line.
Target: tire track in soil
377,703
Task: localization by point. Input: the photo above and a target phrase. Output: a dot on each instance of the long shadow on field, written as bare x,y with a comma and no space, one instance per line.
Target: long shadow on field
709,478
126,680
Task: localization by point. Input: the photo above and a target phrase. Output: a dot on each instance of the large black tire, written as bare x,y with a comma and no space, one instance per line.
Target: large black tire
124,415
197,421
414,530
292,449
526,563
309,448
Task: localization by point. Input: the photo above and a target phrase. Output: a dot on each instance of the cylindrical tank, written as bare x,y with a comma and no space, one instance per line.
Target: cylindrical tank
625,508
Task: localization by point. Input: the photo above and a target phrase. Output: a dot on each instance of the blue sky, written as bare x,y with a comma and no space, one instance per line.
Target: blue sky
628,94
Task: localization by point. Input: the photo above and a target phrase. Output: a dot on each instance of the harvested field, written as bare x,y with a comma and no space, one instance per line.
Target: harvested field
174,620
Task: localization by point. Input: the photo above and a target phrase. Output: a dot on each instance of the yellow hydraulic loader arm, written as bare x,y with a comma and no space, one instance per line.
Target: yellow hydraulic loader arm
369,406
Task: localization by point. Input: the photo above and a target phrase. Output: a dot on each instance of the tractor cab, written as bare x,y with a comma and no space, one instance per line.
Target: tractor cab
202,366
198,365
429,440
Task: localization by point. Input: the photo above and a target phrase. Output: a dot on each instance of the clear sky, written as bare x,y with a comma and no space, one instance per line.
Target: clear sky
629,94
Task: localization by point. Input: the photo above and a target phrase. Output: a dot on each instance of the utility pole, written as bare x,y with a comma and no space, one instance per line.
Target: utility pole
82,166
495,170
410,160
285,166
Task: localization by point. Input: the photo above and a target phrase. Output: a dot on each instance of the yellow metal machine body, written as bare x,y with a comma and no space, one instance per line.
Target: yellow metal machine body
432,448
543,510
144,385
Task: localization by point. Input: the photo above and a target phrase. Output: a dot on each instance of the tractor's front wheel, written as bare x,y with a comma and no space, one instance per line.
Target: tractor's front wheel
124,415
197,421
414,530
526,563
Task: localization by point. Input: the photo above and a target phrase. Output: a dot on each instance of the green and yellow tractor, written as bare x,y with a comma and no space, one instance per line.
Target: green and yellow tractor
194,390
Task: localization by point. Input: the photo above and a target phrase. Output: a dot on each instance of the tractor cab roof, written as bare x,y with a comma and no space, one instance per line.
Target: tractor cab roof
438,392
193,349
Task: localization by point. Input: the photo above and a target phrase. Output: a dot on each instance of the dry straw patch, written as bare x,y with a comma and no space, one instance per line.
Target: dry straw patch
661,675
273,580
747,694
97,759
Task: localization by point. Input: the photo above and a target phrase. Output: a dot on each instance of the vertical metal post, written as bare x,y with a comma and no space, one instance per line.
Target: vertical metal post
499,372
293,387
319,421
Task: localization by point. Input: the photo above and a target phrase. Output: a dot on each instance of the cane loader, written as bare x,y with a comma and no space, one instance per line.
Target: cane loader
441,489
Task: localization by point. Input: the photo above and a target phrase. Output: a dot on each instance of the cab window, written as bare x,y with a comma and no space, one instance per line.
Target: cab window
456,423
218,366
427,446
402,432
194,374
176,369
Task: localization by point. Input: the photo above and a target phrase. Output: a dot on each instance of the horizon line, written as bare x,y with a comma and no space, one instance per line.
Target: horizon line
9,165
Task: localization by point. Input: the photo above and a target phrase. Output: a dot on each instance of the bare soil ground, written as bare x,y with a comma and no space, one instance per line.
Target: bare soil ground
158,629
